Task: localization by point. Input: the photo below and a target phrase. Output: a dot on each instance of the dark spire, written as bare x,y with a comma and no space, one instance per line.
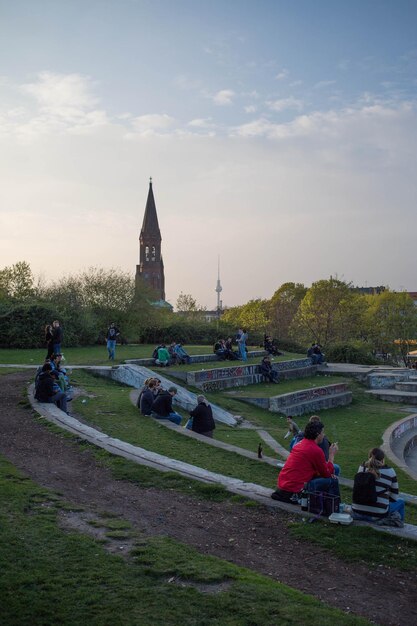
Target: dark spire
150,224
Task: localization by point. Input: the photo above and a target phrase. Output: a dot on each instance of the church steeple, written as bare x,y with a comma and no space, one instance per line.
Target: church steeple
151,266
150,224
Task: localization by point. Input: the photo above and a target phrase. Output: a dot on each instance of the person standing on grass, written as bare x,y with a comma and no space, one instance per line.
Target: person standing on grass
57,335
111,337
49,341
242,339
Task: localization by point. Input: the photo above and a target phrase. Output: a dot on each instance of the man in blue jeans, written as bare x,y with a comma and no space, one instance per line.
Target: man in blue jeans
307,464
162,406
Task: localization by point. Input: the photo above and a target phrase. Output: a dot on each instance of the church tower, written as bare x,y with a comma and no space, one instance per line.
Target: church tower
151,266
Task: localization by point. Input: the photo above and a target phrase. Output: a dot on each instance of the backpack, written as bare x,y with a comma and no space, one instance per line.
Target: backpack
364,488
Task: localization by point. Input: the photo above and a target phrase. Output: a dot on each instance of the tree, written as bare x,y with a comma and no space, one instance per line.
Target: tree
329,312
392,322
283,307
188,306
17,282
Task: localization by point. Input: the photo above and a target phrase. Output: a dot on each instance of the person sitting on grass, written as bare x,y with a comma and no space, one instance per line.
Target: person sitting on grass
47,389
230,355
267,371
386,486
307,464
163,357
162,406
270,347
202,418
219,349
146,398
182,355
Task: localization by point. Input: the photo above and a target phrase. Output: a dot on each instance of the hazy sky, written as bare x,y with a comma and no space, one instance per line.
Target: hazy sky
280,134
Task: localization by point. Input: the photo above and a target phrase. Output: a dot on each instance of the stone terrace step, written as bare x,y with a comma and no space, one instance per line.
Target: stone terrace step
394,395
320,404
239,375
300,402
194,358
408,386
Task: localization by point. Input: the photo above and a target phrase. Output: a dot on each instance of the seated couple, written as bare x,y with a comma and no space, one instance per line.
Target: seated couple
307,464
224,350
159,406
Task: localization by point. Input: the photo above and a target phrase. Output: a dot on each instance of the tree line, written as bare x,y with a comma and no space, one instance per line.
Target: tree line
350,325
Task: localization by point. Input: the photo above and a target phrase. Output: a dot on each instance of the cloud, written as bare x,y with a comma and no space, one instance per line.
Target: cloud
282,74
201,122
64,95
152,123
224,97
251,108
285,103
324,83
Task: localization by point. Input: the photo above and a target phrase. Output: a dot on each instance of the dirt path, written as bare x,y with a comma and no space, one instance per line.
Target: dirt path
257,539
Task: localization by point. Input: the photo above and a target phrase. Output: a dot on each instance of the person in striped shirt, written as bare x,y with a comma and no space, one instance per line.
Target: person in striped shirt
386,488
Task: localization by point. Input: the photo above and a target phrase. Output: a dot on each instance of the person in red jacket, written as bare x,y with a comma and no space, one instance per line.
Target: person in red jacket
307,464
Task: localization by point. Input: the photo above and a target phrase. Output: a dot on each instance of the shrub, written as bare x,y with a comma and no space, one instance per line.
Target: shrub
350,352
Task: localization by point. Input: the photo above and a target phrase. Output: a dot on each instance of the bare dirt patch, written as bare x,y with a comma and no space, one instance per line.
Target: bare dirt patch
256,538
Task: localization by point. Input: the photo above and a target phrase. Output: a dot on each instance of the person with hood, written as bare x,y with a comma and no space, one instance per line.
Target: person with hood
202,418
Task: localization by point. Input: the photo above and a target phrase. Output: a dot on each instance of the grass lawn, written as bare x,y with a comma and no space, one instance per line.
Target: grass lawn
93,355
111,410
196,367
49,576
90,355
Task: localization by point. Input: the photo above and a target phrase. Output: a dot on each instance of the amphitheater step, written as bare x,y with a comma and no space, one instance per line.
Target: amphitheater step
394,395
319,404
406,386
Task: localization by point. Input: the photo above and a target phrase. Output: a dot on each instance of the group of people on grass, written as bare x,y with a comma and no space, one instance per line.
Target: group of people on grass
311,467
155,401
174,354
223,348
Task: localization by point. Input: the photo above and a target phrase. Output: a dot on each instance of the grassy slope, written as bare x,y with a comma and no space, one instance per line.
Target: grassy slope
49,576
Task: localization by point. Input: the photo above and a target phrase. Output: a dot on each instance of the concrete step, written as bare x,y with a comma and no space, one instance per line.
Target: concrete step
318,404
406,386
394,395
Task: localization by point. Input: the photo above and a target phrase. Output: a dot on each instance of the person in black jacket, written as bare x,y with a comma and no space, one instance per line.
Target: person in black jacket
162,406
265,368
146,398
49,341
57,335
202,415
46,392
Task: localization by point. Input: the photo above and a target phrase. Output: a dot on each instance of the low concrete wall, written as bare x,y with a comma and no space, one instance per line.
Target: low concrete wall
242,374
305,400
276,403
378,380
397,439
194,358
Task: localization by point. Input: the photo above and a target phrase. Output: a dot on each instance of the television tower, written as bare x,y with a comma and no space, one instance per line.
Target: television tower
219,288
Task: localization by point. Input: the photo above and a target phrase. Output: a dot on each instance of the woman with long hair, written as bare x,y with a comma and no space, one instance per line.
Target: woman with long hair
386,486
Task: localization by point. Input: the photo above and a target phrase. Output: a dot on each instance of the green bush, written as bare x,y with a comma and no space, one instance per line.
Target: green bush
350,352
23,326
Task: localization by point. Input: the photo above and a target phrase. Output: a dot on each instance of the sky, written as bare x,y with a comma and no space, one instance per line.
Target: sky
279,134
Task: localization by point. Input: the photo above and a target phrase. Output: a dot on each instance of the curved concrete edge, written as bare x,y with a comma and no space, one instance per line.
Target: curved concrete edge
387,439
165,464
